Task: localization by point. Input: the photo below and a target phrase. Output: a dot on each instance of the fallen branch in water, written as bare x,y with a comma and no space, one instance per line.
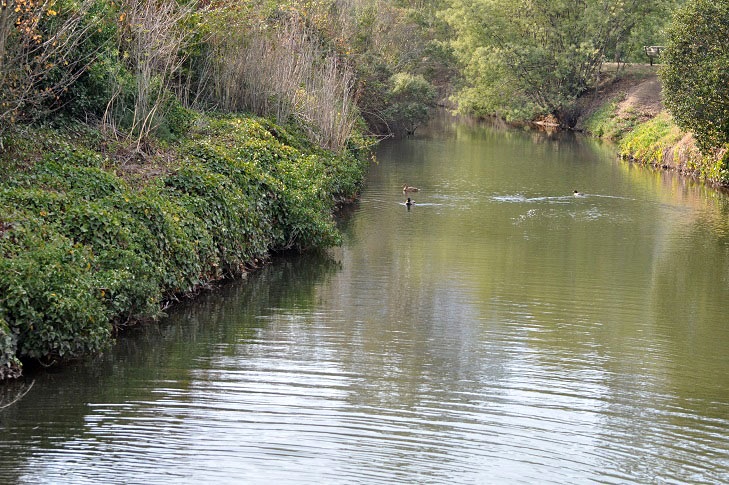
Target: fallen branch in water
19,397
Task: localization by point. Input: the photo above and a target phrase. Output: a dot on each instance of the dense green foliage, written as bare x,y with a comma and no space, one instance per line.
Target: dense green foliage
695,76
137,65
9,363
87,241
82,250
321,63
525,59
648,30
411,96
389,42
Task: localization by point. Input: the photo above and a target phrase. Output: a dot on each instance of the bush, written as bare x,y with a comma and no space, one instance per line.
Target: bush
41,56
222,209
33,202
66,174
97,84
411,98
695,76
49,296
128,286
82,251
291,183
173,240
177,119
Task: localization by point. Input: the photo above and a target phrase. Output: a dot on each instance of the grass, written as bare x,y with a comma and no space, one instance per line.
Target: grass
650,141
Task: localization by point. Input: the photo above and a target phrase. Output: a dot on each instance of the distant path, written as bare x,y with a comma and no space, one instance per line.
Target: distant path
638,85
643,99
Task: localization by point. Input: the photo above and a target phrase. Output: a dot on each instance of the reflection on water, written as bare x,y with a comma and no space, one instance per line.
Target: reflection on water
501,330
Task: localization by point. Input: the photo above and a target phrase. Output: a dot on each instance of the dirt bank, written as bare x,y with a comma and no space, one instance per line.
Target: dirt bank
627,107
635,87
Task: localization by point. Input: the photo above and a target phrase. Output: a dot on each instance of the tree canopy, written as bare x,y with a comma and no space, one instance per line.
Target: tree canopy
327,64
532,57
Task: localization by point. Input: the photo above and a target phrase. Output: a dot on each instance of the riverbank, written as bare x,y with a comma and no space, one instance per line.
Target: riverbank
96,236
627,109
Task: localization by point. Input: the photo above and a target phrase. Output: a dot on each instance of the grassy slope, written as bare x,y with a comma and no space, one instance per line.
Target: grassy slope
627,108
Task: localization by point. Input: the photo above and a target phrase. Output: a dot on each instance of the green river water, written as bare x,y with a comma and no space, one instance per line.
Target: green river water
501,330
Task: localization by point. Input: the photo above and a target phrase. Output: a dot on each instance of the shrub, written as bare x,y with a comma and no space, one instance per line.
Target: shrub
49,296
128,286
172,240
411,98
40,55
176,121
81,251
98,83
222,209
65,173
695,76
34,202
291,183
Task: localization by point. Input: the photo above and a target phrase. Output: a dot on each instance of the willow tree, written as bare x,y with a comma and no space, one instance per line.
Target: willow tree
534,57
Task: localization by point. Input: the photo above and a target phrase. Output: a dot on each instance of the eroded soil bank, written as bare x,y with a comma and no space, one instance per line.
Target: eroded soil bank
627,108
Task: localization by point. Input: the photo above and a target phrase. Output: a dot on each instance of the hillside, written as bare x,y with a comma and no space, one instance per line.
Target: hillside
627,108
634,89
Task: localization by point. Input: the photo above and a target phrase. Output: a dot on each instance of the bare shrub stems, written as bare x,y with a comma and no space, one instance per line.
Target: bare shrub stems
281,70
39,56
152,41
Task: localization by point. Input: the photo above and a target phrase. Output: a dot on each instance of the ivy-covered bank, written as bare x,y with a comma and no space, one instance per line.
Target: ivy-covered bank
94,236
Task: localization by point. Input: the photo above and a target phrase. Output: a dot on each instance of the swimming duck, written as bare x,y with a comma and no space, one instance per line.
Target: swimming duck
578,194
408,188
409,202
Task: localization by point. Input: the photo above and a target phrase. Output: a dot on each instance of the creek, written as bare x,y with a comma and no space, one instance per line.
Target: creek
501,330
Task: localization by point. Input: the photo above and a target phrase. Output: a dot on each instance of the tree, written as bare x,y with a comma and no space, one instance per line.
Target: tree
695,75
411,98
533,57
39,57
648,30
385,40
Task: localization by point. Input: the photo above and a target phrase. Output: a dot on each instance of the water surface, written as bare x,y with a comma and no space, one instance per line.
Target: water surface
501,330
